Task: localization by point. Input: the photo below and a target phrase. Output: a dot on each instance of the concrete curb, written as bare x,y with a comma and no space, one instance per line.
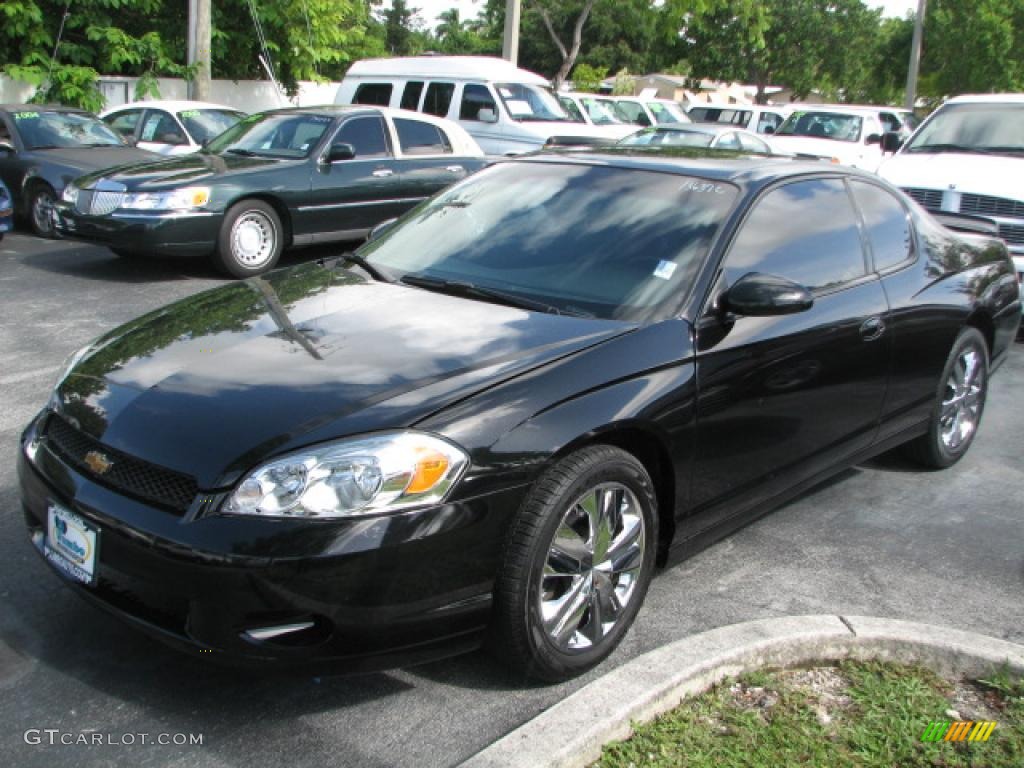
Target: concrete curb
571,733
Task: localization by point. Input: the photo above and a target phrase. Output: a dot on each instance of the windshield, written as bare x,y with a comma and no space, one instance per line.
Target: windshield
571,109
654,137
599,113
530,102
44,129
987,128
204,124
272,134
822,125
591,240
667,113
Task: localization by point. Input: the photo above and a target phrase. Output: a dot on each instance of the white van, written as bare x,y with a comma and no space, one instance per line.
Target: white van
506,109
965,164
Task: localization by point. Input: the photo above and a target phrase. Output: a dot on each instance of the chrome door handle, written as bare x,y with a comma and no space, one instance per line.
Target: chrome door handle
872,328
455,169
382,173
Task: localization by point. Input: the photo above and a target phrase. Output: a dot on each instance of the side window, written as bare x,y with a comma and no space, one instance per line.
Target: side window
631,112
162,128
411,95
887,222
889,122
438,99
377,94
805,231
751,144
474,98
769,122
571,109
418,138
124,122
366,135
728,141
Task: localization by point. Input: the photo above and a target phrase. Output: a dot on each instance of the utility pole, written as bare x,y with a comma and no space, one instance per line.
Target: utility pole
510,48
915,54
199,34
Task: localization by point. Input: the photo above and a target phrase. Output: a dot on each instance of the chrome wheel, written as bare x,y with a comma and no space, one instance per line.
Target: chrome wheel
253,239
592,566
43,213
962,399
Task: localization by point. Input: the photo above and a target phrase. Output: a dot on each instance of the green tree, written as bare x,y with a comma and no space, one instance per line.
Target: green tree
587,78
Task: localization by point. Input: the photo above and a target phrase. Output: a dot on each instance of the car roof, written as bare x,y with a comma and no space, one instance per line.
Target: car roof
336,110
171,104
987,98
726,105
44,107
488,68
745,170
849,109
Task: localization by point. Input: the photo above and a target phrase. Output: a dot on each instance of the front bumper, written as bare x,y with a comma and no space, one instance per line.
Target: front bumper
191,233
369,593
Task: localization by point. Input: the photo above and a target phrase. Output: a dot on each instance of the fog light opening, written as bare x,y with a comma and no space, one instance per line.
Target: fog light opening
296,632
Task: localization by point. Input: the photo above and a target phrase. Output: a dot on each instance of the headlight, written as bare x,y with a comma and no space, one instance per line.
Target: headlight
70,194
173,200
354,477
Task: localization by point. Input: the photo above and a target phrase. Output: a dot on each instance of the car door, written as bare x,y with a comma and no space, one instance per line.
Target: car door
162,133
783,398
349,197
427,161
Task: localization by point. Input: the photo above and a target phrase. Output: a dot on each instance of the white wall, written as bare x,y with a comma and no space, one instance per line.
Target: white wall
247,95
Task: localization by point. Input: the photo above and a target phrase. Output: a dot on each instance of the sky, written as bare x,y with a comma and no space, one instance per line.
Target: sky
468,9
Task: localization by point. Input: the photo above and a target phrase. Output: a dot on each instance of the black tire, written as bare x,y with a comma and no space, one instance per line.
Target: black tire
126,253
518,636
41,201
934,449
251,239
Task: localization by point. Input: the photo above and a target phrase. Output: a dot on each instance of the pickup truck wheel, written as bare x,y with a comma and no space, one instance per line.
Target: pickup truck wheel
41,211
250,240
959,404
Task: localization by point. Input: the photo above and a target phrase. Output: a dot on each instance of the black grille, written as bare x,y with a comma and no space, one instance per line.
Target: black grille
929,198
1012,233
127,474
985,205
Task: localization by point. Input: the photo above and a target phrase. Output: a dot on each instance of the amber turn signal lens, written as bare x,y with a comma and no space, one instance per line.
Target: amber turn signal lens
430,467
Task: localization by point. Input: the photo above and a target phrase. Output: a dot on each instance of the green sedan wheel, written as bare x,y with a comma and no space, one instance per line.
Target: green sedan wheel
250,241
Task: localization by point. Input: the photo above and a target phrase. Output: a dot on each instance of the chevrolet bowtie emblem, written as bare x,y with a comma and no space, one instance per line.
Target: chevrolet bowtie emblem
98,462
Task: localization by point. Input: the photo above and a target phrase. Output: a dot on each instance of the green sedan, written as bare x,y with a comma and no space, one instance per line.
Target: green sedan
275,180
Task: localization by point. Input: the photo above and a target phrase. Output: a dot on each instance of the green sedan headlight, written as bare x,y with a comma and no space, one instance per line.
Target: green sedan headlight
353,477
184,199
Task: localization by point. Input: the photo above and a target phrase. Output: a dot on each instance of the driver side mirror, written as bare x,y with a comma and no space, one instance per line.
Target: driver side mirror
340,151
874,138
891,142
487,115
380,229
759,295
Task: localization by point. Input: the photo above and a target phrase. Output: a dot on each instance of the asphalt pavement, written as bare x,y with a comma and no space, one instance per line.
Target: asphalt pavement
879,540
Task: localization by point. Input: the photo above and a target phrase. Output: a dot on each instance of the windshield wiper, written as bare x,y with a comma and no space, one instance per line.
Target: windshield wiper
949,148
351,257
471,290
241,151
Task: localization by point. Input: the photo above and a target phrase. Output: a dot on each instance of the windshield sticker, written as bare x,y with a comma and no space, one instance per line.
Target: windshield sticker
703,186
665,269
517,107
26,115
189,113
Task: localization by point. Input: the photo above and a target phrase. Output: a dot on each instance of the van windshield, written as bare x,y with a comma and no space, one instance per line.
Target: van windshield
530,103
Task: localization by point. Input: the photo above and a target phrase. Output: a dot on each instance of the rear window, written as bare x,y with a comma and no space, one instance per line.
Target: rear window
378,94
438,99
418,138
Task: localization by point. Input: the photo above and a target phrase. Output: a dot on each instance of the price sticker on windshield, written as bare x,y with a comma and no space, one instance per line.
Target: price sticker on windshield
189,113
26,115
665,269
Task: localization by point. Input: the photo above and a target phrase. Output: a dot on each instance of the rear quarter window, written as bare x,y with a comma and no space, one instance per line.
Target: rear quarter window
419,138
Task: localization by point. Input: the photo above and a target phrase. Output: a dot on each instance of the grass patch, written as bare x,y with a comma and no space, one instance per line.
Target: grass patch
855,715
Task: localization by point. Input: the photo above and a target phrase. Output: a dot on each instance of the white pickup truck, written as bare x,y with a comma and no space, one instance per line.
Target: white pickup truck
965,164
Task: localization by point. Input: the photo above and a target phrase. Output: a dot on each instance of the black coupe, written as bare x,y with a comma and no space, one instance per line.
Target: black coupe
273,180
43,148
505,411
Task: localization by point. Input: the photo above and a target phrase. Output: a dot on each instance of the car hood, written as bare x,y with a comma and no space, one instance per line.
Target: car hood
64,164
999,176
216,383
180,171
827,148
